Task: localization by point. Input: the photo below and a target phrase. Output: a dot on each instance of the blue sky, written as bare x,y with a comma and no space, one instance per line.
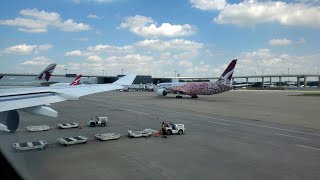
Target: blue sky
193,37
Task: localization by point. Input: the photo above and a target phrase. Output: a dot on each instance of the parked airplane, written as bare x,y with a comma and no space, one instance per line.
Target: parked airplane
35,100
75,82
40,80
194,89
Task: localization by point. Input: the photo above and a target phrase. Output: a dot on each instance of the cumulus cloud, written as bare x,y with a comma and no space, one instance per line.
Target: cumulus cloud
80,39
178,44
256,12
286,42
147,27
37,61
93,16
208,4
150,56
36,21
280,42
95,58
275,63
185,63
74,53
27,49
181,48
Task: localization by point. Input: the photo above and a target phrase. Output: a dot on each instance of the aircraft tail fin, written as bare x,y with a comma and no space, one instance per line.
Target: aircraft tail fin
227,74
126,80
47,72
1,77
76,81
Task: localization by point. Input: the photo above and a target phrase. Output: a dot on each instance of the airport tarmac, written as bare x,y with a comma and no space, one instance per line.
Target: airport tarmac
233,135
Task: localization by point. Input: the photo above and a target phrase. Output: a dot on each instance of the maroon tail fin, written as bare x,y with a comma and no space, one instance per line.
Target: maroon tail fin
227,74
47,72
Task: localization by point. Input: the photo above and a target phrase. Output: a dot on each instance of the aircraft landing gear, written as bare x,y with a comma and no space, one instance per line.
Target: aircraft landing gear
179,97
194,96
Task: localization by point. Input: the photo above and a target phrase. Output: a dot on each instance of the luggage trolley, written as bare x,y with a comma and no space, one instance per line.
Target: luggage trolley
29,145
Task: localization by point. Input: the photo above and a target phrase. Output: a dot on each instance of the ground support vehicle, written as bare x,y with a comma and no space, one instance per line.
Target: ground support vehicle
38,128
29,145
73,140
107,136
68,125
98,121
175,129
143,133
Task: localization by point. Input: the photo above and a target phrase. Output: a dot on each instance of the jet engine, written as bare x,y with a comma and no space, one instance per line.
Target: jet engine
161,92
10,119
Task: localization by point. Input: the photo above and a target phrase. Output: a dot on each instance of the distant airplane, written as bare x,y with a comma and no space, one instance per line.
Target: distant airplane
194,89
35,100
40,80
75,82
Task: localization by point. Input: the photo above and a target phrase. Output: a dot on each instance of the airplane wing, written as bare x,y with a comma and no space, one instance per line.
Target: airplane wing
36,100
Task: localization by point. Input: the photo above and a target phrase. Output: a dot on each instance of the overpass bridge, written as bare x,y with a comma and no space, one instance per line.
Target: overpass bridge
262,77
247,77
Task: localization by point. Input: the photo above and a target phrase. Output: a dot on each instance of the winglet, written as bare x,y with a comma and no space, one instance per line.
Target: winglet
76,81
47,72
227,74
126,80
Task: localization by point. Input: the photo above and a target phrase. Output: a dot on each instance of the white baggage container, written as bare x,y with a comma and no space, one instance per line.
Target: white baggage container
29,145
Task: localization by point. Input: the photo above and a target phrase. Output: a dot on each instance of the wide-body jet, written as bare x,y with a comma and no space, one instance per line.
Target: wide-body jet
194,89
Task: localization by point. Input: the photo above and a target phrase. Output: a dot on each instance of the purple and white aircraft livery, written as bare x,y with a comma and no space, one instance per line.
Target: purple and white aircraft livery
194,89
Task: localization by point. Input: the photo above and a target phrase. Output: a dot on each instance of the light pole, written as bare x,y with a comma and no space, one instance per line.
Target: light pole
255,73
288,75
65,70
122,71
175,75
102,72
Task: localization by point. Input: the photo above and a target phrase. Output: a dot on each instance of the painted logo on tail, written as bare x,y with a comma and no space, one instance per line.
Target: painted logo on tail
227,74
46,74
76,81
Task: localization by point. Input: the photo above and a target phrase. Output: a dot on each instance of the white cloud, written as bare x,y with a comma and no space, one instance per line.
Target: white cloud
74,53
80,39
151,56
93,16
95,58
27,49
44,47
185,63
174,44
37,61
285,42
108,48
254,12
275,63
208,4
280,42
36,21
147,27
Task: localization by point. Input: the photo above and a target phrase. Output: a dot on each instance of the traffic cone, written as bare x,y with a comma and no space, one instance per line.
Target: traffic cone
156,134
